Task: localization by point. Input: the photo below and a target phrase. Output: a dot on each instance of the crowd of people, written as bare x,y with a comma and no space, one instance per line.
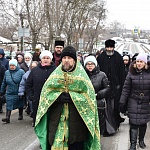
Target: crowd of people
73,100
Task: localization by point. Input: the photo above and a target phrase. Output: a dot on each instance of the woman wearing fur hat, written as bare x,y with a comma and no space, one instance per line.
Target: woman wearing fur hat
101,86
10,84
37,78
135,99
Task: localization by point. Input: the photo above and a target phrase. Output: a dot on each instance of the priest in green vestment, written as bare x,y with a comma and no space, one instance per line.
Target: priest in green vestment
67,117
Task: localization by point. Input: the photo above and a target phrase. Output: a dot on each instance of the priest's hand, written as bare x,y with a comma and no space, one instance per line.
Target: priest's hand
64,98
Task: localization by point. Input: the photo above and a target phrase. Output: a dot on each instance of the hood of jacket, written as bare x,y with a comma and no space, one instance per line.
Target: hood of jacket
134,70
2,52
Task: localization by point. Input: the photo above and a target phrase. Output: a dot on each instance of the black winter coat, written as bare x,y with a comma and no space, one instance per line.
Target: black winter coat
24,66
101,85
2,73
36,57
136,95
35,82
100,82
113,66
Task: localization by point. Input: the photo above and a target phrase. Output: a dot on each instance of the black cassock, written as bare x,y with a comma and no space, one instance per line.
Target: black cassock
113,66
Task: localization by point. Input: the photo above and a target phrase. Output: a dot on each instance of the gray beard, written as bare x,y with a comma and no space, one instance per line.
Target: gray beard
109,53
67,69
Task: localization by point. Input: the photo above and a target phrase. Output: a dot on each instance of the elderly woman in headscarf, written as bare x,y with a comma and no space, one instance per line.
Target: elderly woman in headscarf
10,85
20,58
37,78
27,61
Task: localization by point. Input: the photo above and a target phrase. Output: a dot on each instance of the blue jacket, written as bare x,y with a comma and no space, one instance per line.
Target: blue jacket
11,88
23,83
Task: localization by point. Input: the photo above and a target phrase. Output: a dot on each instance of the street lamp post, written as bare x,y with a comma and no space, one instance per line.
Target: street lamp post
22,31
22,37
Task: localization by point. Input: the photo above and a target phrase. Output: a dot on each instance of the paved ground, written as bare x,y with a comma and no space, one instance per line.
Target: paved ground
121,141
19,135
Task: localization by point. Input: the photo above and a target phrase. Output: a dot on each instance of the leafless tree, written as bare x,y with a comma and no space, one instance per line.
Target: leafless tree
8,18
57,19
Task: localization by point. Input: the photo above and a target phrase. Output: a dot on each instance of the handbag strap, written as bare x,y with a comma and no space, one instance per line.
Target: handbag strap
12,78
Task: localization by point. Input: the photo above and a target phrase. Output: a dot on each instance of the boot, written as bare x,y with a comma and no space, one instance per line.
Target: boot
133,138
7,119
20,114
142,131
1,109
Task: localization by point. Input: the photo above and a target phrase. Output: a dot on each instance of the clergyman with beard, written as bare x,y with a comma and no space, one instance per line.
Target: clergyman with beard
111,62
67,116
59,45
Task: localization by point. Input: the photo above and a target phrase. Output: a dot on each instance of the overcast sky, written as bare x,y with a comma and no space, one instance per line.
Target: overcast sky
132,13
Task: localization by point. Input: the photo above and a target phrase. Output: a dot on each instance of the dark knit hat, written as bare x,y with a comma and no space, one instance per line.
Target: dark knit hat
59,43
110,43
69,51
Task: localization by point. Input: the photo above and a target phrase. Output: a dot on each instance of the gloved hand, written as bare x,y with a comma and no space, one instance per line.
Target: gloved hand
21,97
30,98
64,98
122,108
1,94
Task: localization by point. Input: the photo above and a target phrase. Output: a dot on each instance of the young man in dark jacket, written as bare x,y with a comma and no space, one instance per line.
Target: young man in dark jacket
59,45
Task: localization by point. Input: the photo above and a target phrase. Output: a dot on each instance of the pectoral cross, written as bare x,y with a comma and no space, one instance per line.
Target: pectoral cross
66,81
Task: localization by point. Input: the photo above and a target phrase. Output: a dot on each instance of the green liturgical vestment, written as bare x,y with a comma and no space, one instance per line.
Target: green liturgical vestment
82,93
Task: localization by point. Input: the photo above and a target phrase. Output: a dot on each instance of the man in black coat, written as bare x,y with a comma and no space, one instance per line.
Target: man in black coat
2,73
111,62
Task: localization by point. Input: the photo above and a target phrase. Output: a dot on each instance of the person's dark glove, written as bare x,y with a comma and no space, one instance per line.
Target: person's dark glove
64,98
122,108
21,97
30,98
1,94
